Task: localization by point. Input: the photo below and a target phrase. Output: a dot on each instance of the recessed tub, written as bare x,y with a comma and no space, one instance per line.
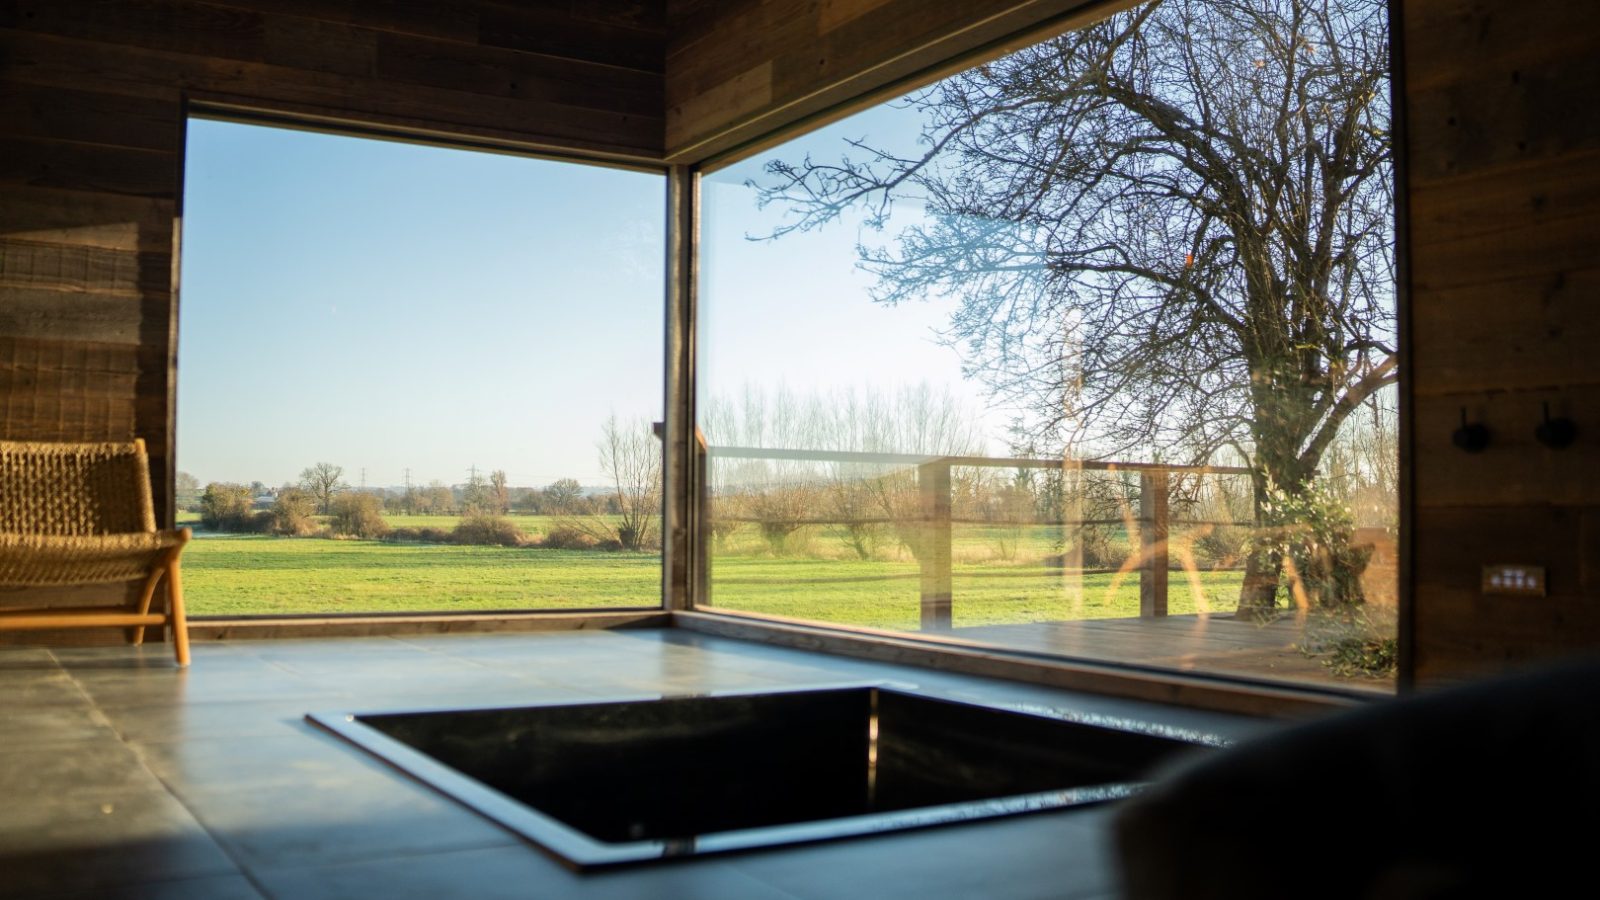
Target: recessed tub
628,781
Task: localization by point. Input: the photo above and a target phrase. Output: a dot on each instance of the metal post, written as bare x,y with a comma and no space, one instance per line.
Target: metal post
1072,531
1153,487
933,489
701,533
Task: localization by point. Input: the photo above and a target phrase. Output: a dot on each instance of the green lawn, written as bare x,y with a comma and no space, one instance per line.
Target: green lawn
530,525
259,575
236,574
880,594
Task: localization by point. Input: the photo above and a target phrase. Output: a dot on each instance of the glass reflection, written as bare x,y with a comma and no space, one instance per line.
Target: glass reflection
1088,350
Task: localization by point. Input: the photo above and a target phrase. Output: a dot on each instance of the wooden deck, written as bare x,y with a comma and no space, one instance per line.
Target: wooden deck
1211,644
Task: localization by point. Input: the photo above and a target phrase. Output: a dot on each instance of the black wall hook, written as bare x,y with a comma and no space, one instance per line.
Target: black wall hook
1470,437
1556,433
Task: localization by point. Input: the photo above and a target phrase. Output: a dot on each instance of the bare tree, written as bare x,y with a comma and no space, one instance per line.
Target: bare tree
1171,230
564,496
859,500
1362,467
435,499
322,481
186,489
475,495
630,456
499,492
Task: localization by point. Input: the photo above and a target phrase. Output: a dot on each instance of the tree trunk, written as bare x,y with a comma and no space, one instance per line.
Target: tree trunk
1258,596
1277,465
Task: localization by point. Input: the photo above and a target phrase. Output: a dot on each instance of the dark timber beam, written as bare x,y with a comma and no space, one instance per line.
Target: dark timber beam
680,558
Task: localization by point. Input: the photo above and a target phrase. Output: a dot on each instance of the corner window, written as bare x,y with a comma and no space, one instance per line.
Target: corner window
1089,350
416,378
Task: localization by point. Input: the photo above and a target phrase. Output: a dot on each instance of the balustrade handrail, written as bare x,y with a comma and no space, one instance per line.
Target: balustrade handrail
936,516
915,459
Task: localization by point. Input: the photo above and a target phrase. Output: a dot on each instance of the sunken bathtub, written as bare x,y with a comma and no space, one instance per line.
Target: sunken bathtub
604,783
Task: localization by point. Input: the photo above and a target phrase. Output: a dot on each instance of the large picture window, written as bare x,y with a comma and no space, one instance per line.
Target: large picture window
416,378
1089,350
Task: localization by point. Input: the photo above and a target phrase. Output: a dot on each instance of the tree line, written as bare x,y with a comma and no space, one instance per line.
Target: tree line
623,515
781,505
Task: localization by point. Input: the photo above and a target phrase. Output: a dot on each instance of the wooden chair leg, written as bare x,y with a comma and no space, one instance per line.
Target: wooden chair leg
180,620
136,633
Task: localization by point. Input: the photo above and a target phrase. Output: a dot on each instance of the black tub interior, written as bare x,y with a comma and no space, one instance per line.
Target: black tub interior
660,773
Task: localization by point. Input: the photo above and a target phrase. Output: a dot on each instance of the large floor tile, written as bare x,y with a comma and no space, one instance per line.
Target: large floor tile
102,842
302,758
216,887
90,768
1055,855
39,687
306,797
290,828
37,726
174,688
513,872
23,659
234,720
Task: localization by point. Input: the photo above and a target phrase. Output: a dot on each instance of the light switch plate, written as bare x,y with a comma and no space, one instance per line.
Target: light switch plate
1513,580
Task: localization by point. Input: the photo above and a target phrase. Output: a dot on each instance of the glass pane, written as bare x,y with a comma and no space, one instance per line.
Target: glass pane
1088,350
416,378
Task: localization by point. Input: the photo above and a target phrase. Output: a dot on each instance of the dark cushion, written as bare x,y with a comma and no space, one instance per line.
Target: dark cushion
1487,790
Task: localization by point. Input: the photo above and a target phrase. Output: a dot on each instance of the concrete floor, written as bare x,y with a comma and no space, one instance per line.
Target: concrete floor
123,777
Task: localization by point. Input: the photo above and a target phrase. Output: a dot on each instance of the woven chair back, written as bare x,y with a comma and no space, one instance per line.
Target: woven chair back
74,489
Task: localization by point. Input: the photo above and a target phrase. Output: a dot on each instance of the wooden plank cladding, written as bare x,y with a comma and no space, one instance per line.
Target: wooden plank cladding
739,70
1503,152
296,54
52,390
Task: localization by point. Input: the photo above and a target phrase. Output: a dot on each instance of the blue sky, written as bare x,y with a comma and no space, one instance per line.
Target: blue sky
385,306
797,311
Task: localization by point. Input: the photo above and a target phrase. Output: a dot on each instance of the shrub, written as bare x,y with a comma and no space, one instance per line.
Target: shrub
1221,546
226,507
292,512
723,529
420,535
565,537
862,538
1369,656
1103,548
357,514
1316,531
489,531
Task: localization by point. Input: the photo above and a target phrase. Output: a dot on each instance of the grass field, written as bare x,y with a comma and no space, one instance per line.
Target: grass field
253,574
531,525
994,582
886,594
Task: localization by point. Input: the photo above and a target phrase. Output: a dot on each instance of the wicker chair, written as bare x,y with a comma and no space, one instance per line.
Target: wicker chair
73,514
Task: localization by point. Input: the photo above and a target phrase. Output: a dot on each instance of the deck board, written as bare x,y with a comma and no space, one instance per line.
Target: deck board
1209,644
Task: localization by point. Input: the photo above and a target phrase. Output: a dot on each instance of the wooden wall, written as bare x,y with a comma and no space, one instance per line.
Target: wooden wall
1504,190
92,105
1503,159
739,69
